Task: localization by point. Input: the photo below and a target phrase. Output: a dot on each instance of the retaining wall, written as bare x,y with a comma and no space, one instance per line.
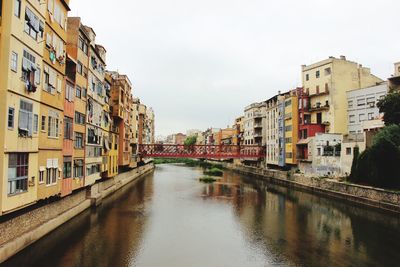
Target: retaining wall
365,195
21,231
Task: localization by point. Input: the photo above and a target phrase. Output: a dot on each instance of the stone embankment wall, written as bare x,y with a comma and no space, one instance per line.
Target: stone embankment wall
21,231
365,195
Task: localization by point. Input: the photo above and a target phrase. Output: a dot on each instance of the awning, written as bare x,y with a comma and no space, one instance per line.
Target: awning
304,141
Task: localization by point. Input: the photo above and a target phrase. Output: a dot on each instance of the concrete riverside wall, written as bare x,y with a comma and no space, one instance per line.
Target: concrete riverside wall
21,231
365,195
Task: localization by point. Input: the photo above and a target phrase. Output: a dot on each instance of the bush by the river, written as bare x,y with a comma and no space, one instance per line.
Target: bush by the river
207,179
379,165
214,172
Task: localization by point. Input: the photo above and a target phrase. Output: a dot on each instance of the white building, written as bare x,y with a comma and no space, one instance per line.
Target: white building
362,106
254,120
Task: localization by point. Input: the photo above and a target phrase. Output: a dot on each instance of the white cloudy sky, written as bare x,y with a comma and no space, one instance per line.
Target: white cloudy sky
199,62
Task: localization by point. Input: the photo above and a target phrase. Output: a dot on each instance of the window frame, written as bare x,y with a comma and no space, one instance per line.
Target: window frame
21,166
11,120
14,61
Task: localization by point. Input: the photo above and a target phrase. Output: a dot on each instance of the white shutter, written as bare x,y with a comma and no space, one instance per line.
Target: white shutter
50,6
30,124
49,164
23,120
49,39
59,85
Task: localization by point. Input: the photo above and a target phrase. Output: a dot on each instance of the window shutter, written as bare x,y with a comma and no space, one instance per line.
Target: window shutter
23,120
59,85
30,124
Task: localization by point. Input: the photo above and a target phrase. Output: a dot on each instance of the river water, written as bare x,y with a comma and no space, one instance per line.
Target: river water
171,219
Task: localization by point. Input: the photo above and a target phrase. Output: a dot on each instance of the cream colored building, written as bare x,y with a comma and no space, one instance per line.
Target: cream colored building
326,83
254,119
95,111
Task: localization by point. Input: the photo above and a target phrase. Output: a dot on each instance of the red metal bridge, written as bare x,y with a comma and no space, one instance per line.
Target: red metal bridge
201,151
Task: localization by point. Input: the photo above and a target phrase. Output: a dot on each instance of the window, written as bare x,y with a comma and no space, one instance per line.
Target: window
83,45
41,176
85,72
51,176
17,8
18,173
79,118
68,133
78,168
307,77
370,116
28,70
348,150
79,68
14,61
352,119
361,117
33,26
53,125
10,121
84,92
67,169
371,101
25,118
318,151
361,102
78,140
35,123
50,80
317,74
317,89
350,104
43,127
78,92
327,71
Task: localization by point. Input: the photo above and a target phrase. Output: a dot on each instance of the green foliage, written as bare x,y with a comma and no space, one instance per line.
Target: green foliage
207,179
379,164
390,106
191,140
214,172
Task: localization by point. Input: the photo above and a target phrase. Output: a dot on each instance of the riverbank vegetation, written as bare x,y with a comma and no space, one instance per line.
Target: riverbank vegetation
214,172
207,179
378,164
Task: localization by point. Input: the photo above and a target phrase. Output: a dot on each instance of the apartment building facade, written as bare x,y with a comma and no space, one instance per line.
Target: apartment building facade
77,69
273,147
51,136
362,106
254,119
323,99
21,51
94,111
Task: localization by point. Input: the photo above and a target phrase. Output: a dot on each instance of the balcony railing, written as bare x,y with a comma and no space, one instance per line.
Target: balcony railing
319,107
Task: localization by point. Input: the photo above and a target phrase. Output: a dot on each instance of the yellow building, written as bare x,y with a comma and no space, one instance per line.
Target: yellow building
110,154
78,53
21,54
291,127
52,99
326,83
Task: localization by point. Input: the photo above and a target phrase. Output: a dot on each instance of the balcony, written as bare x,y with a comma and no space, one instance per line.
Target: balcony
258,115
325,92
319,107
258,125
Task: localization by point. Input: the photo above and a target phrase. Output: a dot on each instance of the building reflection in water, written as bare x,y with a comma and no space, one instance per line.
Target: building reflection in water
308,229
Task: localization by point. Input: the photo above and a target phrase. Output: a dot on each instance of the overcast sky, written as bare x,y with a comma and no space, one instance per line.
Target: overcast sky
198,63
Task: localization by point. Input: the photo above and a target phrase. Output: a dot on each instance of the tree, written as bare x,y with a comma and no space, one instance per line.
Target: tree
390,106
379,164
191,140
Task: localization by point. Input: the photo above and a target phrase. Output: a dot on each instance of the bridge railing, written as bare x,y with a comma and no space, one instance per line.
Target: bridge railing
201,151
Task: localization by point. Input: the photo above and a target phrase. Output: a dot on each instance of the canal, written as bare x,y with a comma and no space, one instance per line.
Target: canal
171,219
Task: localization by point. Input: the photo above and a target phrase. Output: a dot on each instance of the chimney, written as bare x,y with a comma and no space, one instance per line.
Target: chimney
343,57
279,92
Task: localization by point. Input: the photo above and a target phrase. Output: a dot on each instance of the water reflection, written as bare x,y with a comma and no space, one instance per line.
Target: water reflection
171,219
